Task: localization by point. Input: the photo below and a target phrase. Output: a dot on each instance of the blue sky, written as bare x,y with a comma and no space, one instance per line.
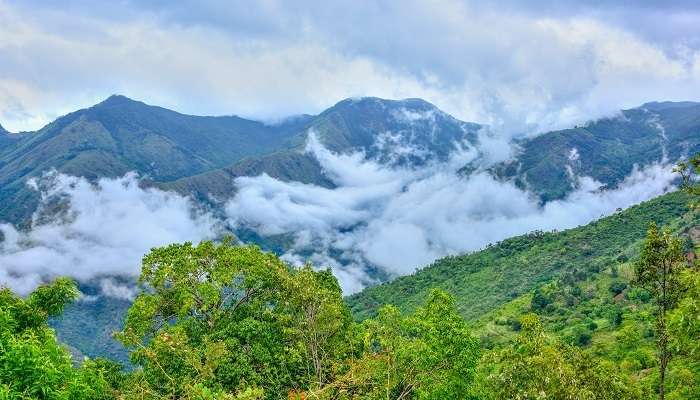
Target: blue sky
521,66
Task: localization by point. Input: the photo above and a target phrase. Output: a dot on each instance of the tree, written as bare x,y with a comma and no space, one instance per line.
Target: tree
536,367
657,271
689,171
32,363
219,320
322,322
428,355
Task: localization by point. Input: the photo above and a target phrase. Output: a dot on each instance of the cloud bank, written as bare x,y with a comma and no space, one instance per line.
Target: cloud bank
381,220
105,230
397,219
524,66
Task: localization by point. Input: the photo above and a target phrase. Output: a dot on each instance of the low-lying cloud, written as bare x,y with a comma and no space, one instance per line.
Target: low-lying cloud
398,218
105,230
383,218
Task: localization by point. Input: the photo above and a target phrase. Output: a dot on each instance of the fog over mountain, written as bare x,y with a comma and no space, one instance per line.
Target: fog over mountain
398,219
386,208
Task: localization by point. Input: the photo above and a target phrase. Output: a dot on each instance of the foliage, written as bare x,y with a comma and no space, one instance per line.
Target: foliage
689,171
428,355
658,272
535,367
226,318
32,363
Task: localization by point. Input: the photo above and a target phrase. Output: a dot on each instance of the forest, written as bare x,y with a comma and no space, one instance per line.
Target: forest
220,320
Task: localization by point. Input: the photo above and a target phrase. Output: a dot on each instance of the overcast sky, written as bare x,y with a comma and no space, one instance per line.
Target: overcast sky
522,66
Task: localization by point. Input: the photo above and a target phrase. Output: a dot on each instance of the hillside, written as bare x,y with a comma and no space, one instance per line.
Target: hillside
391,132
200,156
485,280
606,149
121,135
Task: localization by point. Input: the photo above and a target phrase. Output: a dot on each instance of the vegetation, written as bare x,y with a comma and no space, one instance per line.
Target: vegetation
606,150
657,271
33,365
596,312
514,267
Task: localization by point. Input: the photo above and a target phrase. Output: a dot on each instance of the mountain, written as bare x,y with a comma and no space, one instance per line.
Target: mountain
121,135
199,156
606,150
485,280
393,132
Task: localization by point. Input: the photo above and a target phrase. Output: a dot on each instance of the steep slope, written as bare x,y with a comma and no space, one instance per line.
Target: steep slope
6,141
606,150
486,280
394,132
121,135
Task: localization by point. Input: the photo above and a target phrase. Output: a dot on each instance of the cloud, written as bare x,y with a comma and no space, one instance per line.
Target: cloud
397,219
105,230
380,220
521,66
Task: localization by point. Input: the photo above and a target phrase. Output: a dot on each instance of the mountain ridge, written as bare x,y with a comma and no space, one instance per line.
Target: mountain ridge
199,156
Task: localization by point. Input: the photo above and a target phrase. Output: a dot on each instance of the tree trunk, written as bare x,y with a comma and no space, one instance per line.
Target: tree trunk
662,379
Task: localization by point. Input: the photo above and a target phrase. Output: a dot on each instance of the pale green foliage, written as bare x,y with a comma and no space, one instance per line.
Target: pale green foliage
223,320
658,271
684,321
428,355
536,367
689,171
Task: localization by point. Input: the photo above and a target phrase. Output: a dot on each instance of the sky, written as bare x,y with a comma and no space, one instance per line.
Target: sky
520,66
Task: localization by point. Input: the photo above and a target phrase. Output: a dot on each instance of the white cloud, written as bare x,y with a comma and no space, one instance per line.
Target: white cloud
106,230
520,68
392,218
398,219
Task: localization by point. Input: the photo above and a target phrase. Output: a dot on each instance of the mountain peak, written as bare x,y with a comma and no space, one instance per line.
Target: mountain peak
118,100
379,103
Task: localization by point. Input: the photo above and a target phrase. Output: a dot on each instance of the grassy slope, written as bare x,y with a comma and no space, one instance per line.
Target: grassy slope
486,280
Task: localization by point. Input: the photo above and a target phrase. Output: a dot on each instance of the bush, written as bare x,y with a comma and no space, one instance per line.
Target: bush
539,300
617,287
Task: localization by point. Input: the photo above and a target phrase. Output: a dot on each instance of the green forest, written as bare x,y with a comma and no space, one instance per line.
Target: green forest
610,310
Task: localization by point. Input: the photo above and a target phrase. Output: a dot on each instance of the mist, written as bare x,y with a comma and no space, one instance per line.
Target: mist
386,218
103,231
397,219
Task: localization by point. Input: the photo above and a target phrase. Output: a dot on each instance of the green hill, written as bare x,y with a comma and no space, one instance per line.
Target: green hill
579,282
485,280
